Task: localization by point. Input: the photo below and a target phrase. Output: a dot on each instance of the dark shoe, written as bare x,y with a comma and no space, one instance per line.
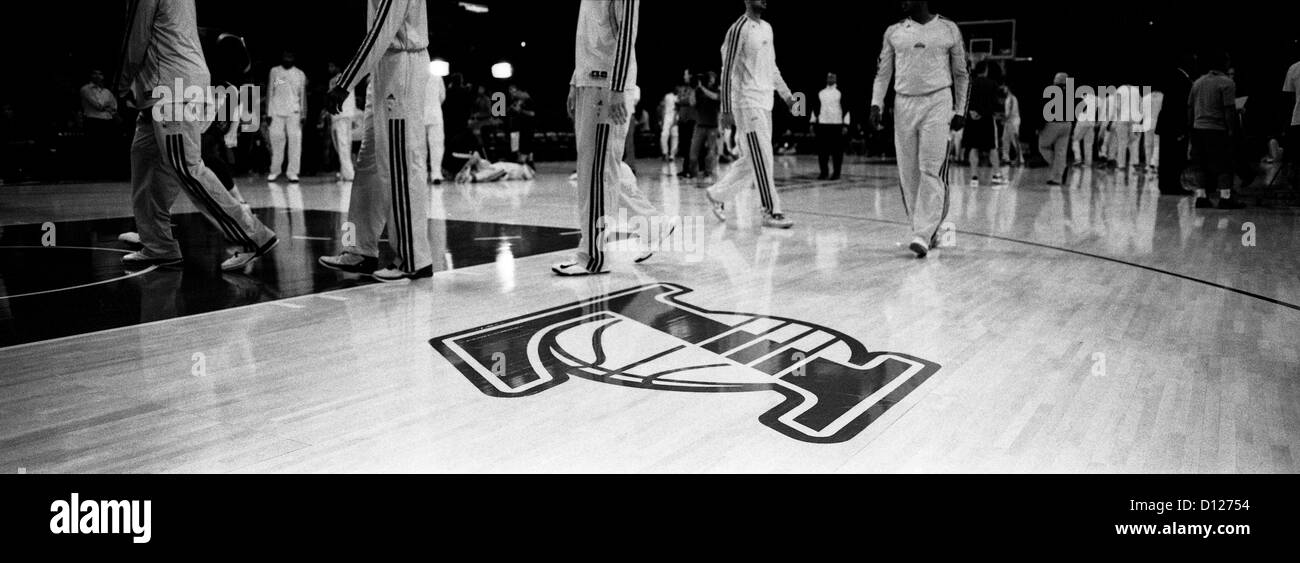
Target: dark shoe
835,177
823,176
393,274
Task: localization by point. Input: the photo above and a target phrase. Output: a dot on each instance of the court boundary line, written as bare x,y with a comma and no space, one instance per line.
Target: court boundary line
1184,277
82,286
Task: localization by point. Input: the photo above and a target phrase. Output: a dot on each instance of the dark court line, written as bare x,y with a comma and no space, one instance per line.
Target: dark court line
1080,253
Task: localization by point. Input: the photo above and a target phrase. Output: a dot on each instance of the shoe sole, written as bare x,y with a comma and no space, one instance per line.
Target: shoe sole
266,249
345,269
717,207
423,273
919,249
564,274
152,263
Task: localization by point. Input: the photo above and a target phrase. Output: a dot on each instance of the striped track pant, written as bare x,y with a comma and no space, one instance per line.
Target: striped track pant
755,166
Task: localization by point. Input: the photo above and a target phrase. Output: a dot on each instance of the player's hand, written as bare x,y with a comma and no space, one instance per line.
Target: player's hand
958,122
618,107
975,115
877,115
572,104
337,97
727,120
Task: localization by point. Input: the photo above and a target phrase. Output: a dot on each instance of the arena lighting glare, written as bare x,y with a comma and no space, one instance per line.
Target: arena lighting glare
502,71
475,8
439,67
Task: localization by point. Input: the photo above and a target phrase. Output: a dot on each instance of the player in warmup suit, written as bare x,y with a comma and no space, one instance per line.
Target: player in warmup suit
601,94
925,56
749,78
287,105
161,47
434,97
391,187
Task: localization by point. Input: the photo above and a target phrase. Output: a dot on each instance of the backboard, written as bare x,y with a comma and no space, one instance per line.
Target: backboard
990,39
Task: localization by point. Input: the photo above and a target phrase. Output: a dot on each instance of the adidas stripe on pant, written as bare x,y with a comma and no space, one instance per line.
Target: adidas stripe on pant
754,168
922,132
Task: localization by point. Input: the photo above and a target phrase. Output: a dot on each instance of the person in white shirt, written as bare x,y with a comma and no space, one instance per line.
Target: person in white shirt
1011,129
1152,102
162,48
749,79
1054,140
1292,149
830,122
1085,130
391,189
287,106
602,94
435,95
925,57
1125,113
341,131
668,132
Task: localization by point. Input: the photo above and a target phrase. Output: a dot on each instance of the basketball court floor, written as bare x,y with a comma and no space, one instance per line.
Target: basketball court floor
1094,327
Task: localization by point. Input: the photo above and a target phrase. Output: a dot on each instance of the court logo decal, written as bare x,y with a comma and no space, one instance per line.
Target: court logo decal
646,337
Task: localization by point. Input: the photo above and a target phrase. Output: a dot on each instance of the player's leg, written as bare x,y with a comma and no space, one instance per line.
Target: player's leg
740,176
180,145
152,195
437,151
368,203
907,140
279,136
342,134
593,134
400,83
931,204
293,131
764,162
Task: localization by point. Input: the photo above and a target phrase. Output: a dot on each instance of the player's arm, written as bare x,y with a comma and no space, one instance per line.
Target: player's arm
139,33
884,76
627,16
732,49
389,15
960,78
302,95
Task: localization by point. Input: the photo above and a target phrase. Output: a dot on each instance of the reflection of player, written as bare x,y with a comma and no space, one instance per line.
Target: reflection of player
478,169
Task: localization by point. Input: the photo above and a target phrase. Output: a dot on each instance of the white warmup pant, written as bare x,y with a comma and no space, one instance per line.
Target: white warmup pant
922,130
1152,141
165,159
341,131
1122,141
286,129
391,188
436,137
603,182
668,140
1085,138
755,165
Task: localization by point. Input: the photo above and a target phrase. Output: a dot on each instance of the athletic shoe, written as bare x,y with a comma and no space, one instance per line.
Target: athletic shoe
129,238
719,209
437,181
293,179
350,263
1204,203
1053,182
823,177
242,258
392,274
138,260
777,221
835,177
1230,203
572,269
975,182
919,247
654,247
272,177
998,180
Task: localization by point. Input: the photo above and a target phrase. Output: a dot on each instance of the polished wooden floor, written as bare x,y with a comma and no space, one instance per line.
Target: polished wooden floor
1095,327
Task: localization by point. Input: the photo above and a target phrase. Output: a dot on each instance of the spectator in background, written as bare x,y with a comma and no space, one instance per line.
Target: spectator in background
686,119
1292,150
704,143
981,137
1172,127
521,117
287,99
99,120
636,119
1011,128
1085,130
1054,141
340,128
435,95
1213,121
1152,103
485,121
830,123
669,132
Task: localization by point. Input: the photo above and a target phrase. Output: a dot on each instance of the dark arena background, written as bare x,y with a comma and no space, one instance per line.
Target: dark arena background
1052,255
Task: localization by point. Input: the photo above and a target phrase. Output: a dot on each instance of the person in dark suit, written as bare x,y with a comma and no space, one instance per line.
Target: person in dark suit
1172,127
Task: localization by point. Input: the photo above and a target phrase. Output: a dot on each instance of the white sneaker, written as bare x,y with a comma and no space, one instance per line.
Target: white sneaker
777,221
919,247
392,274
272,177
999,180
654,245
975,182
129,238
293,178
572,269
242,258
719,209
